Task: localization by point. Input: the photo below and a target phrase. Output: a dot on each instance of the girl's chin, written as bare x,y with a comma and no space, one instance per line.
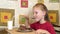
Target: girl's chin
36,20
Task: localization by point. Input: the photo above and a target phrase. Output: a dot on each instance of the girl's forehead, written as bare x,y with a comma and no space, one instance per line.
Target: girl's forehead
37,8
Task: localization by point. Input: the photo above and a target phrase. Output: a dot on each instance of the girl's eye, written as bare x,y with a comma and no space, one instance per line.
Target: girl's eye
36,12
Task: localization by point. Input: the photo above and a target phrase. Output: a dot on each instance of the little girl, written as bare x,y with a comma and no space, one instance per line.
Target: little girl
42,24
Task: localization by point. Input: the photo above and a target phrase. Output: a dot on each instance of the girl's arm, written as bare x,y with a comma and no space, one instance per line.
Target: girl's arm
27,21
41,31
28,24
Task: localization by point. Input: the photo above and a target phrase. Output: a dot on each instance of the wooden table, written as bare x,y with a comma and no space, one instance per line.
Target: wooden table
14,31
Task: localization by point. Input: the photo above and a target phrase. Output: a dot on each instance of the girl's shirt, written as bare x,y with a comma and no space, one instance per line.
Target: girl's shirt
46,26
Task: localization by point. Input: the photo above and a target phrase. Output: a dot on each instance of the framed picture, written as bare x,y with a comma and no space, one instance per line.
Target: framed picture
40,1
24,3
54,1
53,16
22,19
5,16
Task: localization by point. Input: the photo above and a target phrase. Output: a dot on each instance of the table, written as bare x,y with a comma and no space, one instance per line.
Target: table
14,31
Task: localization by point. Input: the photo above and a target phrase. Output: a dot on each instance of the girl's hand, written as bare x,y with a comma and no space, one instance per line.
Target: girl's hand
41,31
27,17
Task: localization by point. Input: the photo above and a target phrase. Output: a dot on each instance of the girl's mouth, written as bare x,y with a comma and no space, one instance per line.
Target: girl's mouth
33,18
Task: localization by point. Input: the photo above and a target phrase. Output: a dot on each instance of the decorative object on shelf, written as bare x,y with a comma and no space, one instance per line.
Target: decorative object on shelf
53,16
54,1
40,1
5,16
24,3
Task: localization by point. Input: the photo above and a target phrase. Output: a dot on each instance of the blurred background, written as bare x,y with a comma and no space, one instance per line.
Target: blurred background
12,10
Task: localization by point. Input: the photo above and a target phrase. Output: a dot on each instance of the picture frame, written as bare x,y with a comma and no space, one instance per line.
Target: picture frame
22,19
54,1
53,16
24,3
6,15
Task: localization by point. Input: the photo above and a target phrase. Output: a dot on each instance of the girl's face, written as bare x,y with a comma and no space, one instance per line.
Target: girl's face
38,13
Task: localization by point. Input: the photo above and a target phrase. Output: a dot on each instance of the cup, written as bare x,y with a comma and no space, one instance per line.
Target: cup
10,25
